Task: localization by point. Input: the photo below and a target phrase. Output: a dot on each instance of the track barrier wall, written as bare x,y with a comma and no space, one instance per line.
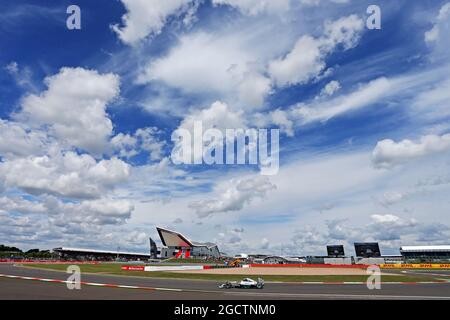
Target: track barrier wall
161,268
203,267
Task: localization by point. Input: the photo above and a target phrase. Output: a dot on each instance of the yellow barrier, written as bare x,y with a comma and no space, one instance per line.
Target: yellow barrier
416,266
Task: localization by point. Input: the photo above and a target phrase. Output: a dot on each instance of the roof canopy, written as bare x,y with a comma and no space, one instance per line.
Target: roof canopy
171,238
424,248
93,251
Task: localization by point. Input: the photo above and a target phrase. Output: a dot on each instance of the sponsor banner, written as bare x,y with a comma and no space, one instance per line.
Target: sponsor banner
415,266
133,268
172,268
166,268
306,265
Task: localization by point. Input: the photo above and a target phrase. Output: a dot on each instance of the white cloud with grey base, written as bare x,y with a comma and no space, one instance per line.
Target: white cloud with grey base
233,195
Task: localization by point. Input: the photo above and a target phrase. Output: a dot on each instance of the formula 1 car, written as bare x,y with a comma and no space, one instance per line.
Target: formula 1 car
246,283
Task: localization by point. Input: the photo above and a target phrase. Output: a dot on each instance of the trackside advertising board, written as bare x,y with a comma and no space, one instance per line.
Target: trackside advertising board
416,266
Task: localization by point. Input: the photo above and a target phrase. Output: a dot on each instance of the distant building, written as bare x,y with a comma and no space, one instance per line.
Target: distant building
425,253
178,246
283,260
241,256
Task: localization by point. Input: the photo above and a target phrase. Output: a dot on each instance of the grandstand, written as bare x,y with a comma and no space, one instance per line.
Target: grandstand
425,253
66,253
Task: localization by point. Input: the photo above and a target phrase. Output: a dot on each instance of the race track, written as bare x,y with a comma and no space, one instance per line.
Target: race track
198,289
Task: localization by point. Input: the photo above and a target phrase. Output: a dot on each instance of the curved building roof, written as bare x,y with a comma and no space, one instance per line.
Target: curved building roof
171,238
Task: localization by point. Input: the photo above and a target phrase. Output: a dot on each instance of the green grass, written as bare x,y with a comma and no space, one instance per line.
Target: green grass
114,269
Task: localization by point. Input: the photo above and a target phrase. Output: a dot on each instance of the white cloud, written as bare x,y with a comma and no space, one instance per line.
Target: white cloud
124,145
330,88
302,63
387,218
144,139
16,140
265,244
65,174
432,35
306,240
151,182
253,89
390,198
432,103
317,2
254,7
340,229
136,238
74,107
306,60
345,31
38,158
22,76
323,111
96,212
234,195
219,115
240,67
388,229
178,221
150,142
389,153
148,17
441,26
230,237
221,64
18,204
425,105
201,62
281,119
12,67
49,221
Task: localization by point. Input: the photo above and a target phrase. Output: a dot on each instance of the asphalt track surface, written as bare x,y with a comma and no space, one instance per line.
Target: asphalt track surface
17,289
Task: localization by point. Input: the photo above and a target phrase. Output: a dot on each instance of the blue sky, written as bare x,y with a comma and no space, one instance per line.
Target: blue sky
86,118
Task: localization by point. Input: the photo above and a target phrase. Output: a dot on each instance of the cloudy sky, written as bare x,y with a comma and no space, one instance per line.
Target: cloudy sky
86,118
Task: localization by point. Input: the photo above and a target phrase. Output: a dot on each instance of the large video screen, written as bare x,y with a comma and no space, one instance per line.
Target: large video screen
335,251
367,249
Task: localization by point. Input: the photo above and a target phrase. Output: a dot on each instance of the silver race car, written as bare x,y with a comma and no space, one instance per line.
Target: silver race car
245,283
